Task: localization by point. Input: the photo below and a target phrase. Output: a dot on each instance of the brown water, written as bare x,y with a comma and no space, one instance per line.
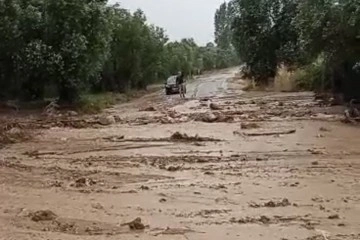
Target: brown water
279,185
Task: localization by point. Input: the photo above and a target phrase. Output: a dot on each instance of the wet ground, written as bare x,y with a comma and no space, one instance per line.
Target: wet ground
221,164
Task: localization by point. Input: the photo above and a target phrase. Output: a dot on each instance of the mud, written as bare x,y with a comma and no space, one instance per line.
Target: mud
220,164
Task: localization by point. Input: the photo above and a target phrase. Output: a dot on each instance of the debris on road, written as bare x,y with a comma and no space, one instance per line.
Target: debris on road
271,204
42,215
83,182
270,133
184,172
334,216
324,129
136,224
183,137
250,125
148,109
214,106
174,168
107,120
207,117
97,206
174,231
224,118
15,135
316,151
284,203
143,187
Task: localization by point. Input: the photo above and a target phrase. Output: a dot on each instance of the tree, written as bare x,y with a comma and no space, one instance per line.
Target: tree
76,46
78,31
264,35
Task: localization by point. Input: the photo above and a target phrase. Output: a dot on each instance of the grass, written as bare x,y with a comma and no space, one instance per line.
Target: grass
287,80
95,103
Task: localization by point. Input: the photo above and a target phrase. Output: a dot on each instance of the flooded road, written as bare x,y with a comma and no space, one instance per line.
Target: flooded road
221,164
211,85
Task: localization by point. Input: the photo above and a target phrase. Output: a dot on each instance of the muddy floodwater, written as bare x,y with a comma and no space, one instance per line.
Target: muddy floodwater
221,164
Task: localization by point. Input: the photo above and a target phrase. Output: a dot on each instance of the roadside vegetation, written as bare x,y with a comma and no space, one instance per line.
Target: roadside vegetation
70,49
318,41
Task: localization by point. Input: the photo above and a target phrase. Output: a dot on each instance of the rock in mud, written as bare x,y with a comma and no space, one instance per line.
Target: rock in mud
214,106
334,216
136,224
143,187
285,202
270,204
264,219
167,120
184,119
43,215
107,120
174,168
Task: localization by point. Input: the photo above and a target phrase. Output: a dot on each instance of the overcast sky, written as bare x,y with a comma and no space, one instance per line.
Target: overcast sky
180,18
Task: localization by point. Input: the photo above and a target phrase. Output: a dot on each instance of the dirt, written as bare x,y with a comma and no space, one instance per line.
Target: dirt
249,166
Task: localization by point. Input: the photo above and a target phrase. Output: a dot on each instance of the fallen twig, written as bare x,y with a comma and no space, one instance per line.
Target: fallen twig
270,133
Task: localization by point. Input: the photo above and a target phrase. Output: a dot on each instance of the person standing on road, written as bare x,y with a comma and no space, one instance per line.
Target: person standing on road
181,84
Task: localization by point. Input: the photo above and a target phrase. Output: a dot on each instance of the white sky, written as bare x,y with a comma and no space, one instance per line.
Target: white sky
180,18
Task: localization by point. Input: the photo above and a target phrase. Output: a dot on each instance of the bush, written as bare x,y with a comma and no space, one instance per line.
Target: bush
312,77
95,103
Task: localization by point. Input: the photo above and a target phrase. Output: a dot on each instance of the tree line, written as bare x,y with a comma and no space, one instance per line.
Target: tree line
63,48
320,37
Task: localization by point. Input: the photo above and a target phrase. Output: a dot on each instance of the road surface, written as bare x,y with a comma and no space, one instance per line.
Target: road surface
221,164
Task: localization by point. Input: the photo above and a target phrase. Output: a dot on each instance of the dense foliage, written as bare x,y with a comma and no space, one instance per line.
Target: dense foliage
66,47
267,33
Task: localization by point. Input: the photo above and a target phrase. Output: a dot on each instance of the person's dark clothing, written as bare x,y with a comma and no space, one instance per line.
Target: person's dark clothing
180,79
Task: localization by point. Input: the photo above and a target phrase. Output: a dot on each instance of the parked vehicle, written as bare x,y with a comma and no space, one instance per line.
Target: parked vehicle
171,86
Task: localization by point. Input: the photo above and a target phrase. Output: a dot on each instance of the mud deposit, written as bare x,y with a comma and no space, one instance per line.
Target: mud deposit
221,164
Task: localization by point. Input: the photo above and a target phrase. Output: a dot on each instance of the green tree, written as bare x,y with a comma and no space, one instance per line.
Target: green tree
78,31
74,46
263,35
